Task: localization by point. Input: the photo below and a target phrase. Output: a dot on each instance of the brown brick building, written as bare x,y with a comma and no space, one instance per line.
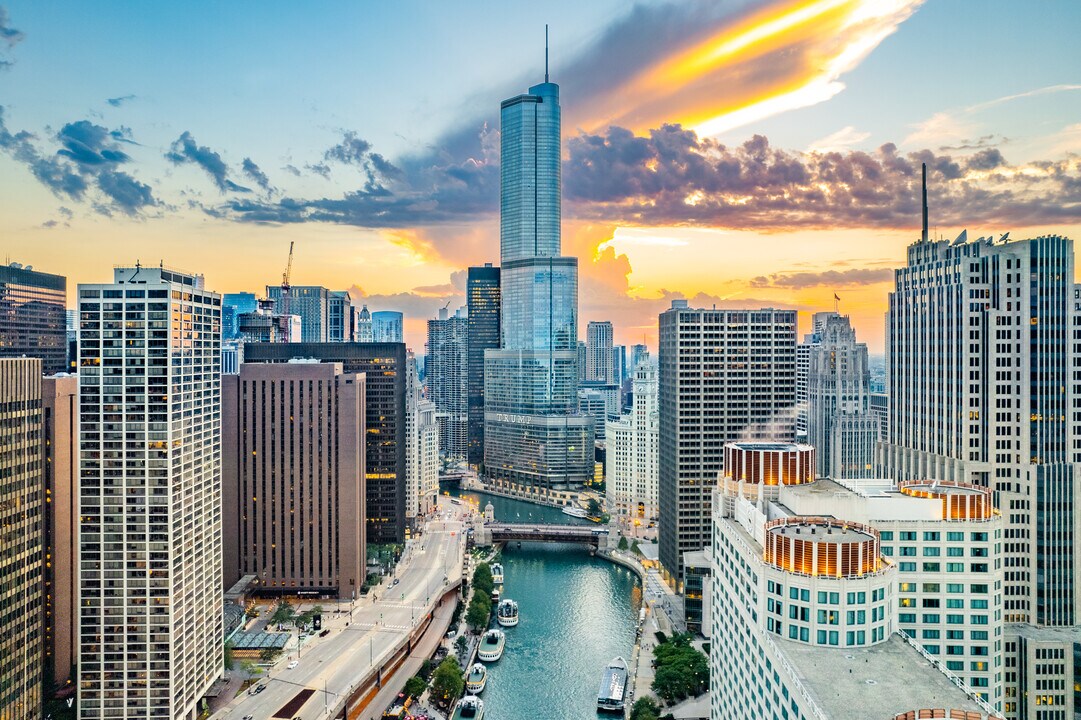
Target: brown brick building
293,477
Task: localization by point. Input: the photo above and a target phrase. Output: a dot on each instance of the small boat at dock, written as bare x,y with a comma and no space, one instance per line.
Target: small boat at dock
575,512
497,573
476,679
613,690
507,613
470,707
491,646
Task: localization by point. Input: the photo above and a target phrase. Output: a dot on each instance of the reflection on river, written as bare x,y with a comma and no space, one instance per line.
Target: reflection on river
577,613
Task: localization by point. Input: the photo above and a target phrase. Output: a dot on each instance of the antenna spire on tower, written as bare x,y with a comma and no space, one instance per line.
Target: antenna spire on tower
924,202
545,52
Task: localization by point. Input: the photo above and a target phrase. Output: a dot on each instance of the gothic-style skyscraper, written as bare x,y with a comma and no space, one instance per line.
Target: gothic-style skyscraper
533,434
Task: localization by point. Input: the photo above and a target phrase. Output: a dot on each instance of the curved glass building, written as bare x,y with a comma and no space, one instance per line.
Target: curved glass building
533,433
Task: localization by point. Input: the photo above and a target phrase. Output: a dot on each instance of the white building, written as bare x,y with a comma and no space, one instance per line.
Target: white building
428,461
840,422
804,614
421,447
631,452
983,389
946,540
150,597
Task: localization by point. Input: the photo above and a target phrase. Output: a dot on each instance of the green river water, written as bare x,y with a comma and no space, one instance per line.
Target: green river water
576,613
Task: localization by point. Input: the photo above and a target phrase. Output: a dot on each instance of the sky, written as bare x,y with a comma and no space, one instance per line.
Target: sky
736,153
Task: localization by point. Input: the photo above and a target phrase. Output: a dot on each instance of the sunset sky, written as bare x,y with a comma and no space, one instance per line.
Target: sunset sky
743,154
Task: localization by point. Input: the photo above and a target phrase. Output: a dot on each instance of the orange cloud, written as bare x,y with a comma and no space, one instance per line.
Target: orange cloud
787,55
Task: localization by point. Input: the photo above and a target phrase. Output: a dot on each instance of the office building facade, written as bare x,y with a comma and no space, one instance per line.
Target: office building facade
447,379
341,317
233,305
840,422
599,368
60,398
483,309
533,434
22,511
150,636
384,367
632,442
723,375
310,302
33,321
388,326
364,325
293,480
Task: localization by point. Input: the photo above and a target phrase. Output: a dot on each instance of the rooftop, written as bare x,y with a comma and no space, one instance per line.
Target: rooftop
766,446
818,530
879,681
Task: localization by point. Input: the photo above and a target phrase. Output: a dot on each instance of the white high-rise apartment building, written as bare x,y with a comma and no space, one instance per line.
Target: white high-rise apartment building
599,358
946,540
632,451
804,613
722,375
150,546
981,382
840,422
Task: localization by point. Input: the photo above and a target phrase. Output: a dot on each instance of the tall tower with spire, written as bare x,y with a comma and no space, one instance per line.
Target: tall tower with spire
533,433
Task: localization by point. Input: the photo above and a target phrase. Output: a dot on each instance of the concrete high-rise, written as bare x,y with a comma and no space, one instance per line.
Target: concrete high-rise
982,384
388,326
310,302
599,353
723,375
33,322
293,478
22,509
384,367
840,422
533,434
447,379
483,306
60,397
421,448
150,595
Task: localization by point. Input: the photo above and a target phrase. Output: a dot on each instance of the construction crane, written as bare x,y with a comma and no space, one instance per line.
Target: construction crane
285,281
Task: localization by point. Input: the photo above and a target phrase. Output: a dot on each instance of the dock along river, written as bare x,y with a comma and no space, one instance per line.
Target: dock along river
576,613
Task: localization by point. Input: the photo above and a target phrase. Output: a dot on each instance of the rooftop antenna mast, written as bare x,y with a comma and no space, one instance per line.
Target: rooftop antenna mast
924,202
545,52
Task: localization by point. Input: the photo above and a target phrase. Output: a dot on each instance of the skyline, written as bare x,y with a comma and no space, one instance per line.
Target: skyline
401,192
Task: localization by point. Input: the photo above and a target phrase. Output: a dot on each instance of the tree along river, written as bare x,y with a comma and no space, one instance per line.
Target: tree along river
576,613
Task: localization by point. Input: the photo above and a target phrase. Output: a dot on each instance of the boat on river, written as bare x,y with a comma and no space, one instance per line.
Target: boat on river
470,707
491,646
575,512
613,690
507,613
476,679
497,573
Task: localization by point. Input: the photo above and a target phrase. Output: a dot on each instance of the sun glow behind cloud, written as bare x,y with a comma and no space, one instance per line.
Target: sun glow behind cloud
788,55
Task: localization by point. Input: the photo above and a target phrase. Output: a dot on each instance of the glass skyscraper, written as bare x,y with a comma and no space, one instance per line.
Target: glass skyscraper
482,295
533,433
32,317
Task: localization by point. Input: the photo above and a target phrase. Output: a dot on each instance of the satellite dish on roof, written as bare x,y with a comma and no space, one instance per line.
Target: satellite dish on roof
962,238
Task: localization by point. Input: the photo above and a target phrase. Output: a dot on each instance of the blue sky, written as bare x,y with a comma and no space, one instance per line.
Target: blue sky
367,120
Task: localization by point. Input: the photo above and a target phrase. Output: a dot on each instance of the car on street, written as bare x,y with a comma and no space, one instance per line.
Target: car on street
292,664
249,717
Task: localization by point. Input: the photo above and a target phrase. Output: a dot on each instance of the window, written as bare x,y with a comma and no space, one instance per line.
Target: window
930,537
955,619
932,567
955,567
955,552
931,552
886,535
955,536
907,567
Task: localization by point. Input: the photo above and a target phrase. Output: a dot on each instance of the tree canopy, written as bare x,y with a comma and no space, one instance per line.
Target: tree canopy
448,681
682,671
482,579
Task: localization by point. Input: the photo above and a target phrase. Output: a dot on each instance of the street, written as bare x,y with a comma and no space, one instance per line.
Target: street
358,640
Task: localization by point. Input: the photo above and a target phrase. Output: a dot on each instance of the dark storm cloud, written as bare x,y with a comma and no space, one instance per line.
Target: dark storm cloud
89,157
672,176
256,174
186,150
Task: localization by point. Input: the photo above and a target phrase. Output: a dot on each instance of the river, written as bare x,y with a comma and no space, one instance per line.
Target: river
576,612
